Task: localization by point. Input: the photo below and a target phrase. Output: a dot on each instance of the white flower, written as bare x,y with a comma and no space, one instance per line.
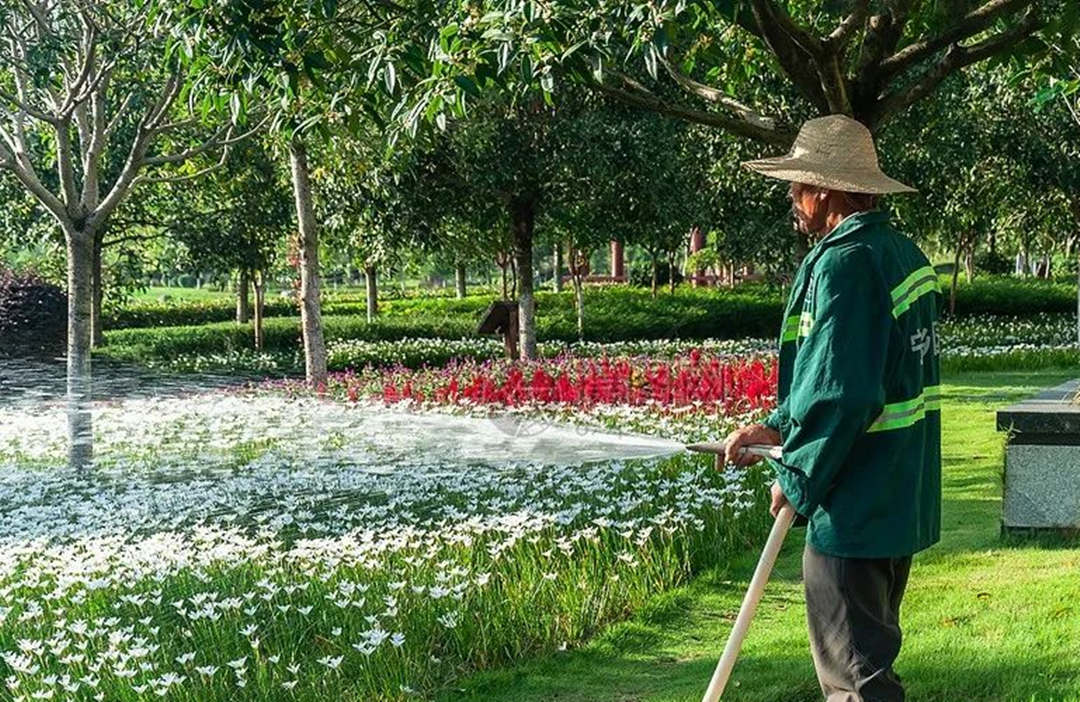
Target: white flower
331,662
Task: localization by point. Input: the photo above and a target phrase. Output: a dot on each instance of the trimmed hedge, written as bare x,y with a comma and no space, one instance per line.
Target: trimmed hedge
610,315
280,334
1008,295
185,312
987,295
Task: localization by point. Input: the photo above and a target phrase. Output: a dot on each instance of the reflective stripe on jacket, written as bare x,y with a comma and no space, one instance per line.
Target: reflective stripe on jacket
859,397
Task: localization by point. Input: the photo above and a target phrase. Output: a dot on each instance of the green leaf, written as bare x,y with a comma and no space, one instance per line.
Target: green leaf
390,75
467,85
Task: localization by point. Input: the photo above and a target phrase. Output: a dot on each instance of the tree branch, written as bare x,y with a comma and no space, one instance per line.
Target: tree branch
136,237
846,29
65,170
31,182
968,26
797,62
27,108
222,138
187,176
954,59
716,96
637,95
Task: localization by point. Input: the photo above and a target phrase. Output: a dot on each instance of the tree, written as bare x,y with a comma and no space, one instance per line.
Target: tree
79,81
865,58
321,66
237,219
532,138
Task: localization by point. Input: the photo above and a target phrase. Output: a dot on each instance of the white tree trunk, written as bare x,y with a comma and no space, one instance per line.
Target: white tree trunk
371,291
579,306
460,281
310,306
260,304
557,266
97,332
80,255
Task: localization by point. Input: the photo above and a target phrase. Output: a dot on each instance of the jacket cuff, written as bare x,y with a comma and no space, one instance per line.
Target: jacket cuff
793,486
778,420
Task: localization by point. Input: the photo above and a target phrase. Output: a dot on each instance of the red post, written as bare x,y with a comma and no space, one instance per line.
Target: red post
618,261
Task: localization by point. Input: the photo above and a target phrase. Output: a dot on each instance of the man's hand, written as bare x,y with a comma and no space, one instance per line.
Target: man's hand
753,434
778,500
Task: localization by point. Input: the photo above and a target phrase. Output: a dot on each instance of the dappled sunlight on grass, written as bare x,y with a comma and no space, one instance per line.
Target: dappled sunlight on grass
986,619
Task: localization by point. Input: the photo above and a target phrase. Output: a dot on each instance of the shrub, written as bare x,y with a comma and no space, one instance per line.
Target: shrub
641,274
171,313
33,315
993,262
1012,296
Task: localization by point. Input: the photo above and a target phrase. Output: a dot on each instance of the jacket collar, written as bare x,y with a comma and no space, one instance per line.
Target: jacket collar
853,223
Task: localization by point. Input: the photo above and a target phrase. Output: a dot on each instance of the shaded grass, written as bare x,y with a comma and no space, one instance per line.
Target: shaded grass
986,618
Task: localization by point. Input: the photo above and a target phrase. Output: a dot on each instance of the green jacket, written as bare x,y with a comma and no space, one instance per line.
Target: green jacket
859,399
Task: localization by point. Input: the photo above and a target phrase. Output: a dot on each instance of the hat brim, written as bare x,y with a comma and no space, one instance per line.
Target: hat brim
796,170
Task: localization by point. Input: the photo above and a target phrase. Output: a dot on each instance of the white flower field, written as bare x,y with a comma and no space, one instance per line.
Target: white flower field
235,546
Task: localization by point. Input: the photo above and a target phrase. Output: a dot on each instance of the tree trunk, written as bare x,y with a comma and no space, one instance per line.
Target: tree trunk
655,273
260,303
505,290
460,281
310,305
557,266
97,338
969,258
513,277
371,291
522,218
80,255
579,306
243,287
671,271
955,277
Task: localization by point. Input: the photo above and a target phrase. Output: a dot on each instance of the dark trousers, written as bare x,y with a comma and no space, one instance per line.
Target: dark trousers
853,610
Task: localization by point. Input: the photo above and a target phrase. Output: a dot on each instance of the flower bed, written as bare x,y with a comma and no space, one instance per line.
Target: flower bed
236,546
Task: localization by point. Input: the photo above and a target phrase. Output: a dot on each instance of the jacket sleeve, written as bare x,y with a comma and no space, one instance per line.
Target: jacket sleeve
837,385
778,419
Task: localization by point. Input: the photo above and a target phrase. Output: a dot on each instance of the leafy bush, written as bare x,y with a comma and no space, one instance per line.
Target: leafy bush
993,262
33,315
612,314
1013,296
185,312
281,334
641,274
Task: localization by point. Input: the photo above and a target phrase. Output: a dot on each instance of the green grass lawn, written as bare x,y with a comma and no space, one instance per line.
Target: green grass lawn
985,619
154,294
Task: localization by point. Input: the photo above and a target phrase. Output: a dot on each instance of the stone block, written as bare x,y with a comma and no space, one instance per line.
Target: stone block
1042,486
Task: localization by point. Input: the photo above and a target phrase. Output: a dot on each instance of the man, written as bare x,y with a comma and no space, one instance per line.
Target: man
858,413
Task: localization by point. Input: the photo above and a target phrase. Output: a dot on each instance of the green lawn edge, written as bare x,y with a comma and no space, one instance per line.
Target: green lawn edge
987,618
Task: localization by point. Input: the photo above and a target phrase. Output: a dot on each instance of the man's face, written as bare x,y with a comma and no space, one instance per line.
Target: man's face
809,207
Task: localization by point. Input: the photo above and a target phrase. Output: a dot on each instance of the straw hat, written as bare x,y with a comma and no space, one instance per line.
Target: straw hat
833,152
